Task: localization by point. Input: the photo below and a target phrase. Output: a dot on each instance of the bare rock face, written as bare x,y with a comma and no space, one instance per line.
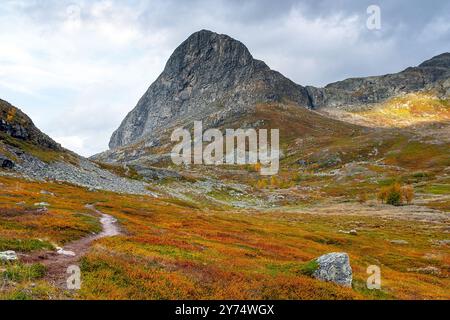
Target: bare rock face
334,267
209,77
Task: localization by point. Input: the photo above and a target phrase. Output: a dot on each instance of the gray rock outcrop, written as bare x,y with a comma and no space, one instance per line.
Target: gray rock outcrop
18,134
86,173
8,255
334,267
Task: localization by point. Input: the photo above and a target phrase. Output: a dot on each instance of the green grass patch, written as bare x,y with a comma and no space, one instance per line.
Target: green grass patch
438,189
24,245
309,268
275,269
93,222
377,294
20,272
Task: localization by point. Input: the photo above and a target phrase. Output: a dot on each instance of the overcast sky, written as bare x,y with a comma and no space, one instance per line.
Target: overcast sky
78,67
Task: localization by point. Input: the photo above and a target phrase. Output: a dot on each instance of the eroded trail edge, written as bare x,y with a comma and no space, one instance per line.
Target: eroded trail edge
57,262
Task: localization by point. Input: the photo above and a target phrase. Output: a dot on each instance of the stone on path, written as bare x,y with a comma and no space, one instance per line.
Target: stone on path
63,252
8,255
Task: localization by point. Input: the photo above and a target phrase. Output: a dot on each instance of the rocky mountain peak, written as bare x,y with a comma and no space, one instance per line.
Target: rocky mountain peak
207,47
209,77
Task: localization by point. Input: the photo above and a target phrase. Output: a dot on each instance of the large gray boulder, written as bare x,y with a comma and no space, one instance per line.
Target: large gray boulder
334,267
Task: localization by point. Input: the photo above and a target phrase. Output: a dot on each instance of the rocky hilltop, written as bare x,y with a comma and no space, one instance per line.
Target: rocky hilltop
214,78
16,124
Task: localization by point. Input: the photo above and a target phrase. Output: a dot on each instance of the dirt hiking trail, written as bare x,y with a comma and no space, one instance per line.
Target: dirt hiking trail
57,262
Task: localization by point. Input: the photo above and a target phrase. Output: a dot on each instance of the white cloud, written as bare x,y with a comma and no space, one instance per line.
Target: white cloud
74,143
98,54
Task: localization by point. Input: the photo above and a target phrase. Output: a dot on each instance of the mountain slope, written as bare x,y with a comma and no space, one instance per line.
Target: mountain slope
404,111
25,151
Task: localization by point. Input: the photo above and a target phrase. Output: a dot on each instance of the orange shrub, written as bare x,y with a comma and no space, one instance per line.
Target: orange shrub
382,194
407,193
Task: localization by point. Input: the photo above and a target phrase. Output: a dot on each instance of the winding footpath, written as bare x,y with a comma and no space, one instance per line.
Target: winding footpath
57,262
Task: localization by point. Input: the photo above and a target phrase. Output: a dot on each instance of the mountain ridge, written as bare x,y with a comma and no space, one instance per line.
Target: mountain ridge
432,74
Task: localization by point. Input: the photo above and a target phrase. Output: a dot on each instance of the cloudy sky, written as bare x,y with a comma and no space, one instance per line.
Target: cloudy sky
77,67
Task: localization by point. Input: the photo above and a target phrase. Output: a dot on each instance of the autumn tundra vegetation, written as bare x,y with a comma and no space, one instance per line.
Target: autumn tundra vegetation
177,250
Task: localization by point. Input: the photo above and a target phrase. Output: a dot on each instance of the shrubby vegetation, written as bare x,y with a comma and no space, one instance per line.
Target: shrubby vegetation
396,194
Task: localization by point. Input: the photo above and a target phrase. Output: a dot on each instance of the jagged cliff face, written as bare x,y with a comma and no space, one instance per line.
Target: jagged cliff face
18,125
209,77
214,78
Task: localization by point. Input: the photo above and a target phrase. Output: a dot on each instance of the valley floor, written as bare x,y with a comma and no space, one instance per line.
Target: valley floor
173,249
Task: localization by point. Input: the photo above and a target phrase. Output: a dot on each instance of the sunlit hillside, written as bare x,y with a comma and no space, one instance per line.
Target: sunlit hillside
403,111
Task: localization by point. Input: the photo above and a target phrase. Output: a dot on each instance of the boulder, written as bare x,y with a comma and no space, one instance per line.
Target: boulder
334,267
41,204
5,163
399,242
8,255
47,193
63,252
352,232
